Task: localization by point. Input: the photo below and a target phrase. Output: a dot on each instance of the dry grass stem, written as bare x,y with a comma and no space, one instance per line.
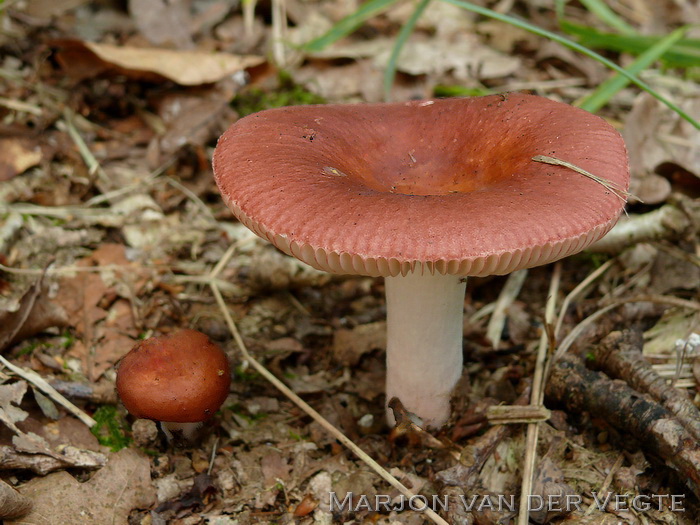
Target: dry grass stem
536,398
94,167
620,193
510,414
18,105
658,299
577,292
39,382
508,294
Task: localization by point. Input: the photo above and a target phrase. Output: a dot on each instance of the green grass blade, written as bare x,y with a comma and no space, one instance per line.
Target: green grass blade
521,24
610,87
348,24
601,10
402,37
685,53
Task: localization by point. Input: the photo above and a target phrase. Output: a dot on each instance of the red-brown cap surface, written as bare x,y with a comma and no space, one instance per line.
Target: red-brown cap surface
446,185
181,378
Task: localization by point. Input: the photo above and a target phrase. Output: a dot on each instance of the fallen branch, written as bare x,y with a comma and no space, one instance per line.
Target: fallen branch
620,356
668,222
656,428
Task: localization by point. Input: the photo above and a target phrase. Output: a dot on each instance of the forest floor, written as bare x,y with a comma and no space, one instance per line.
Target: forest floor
111,229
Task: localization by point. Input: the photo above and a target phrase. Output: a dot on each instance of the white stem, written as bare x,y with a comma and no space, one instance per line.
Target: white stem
187,430
424,342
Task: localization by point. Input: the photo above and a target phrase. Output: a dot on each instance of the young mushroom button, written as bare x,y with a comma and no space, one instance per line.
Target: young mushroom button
425,193
180,379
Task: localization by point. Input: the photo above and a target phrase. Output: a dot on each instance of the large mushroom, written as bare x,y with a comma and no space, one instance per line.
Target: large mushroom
425,193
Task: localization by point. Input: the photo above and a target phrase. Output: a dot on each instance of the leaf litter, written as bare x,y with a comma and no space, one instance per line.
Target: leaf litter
108,123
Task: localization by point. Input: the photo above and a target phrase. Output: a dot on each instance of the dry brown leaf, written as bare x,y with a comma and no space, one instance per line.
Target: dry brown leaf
106,330
187,68
462,56
113,492
655,135
12,503
350,345
194,118
17,155
274,468
29,450
49,8
10,397
36,313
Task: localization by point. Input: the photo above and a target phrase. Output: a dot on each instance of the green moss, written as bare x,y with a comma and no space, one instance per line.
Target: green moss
287,93
111,429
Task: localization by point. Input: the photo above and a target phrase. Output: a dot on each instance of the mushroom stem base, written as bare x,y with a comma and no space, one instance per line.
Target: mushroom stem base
424,343
188,431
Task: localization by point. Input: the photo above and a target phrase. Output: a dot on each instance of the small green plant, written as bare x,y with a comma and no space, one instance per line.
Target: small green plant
287,94
240,411
295,436
111,428
67,340
28,349
592,258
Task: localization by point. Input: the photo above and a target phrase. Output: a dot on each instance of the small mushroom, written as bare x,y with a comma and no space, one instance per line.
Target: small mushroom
179,379
425,193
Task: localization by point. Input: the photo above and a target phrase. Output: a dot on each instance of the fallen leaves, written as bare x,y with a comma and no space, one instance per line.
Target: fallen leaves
30,451
349,345
109,496
36,313
655,136
17,155
12,503
187,68
100,313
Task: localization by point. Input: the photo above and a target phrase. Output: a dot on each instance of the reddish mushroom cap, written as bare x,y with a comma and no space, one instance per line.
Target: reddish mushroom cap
449,185
181,378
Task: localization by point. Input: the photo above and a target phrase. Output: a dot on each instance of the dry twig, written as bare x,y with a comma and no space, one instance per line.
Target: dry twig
538,383
620,193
